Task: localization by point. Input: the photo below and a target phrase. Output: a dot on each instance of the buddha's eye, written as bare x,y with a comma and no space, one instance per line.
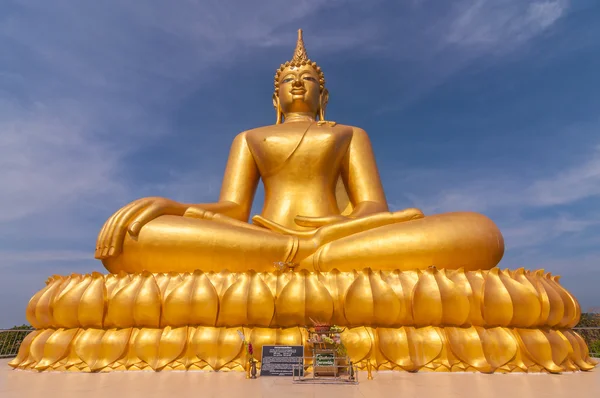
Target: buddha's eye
289,79
310,78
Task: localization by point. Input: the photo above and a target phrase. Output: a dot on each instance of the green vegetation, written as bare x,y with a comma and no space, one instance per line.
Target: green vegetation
11,341
591,336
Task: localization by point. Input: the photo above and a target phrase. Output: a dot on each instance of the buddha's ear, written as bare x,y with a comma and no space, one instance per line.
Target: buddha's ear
277,107
323,100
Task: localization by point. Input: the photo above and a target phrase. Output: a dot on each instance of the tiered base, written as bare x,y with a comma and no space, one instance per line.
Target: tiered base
428,348
485,321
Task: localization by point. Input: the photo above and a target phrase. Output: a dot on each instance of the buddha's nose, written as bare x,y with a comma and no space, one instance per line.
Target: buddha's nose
297,83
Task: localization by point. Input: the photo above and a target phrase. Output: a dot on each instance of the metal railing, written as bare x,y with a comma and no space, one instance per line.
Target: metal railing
10,341
301,374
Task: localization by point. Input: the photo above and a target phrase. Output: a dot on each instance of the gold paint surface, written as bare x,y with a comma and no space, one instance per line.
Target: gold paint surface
211,348
285,299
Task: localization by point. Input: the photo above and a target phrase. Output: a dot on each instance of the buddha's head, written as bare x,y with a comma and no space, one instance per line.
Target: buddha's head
300,86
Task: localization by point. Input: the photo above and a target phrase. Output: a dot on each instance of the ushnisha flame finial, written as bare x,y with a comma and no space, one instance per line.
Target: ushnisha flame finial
300,54
300,58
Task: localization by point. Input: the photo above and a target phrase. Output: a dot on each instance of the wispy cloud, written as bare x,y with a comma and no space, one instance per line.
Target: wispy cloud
503,24
578,182
531,211
17,258
489,190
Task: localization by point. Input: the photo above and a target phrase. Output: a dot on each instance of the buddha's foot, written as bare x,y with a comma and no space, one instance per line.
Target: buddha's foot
446,349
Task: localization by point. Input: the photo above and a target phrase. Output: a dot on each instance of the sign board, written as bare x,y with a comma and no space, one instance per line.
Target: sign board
325,359
279,360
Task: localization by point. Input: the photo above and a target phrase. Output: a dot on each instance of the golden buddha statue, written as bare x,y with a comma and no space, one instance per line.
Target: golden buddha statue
300,160
415,292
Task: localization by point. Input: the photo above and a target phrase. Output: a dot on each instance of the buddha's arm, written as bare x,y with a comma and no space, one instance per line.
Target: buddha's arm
239,185
360,174
233,207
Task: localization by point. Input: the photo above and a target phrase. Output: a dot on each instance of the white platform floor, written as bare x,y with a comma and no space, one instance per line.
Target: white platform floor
24,384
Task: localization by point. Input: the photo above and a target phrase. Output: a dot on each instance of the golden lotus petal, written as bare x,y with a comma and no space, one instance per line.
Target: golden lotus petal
234,304
23,354
217,346
146,310
393,344
455,304
577,355
394,281
204,300
177,307
90,312
247,301
572,310
66,304
371,301
302,299
561,348
557,306
289,336
358,343
189,359
318,301
337,284
410,348
535,279
194,301
32,308
159,347
447,359
537,347
527,307
427,299
68,283
477,282
467,346
56,347
583,344
260,302
261,337
168,282
115,283
499,345
43,308
120,307
223,280
36,350
100,348
425,344
409,280
497,303
130,359
87,346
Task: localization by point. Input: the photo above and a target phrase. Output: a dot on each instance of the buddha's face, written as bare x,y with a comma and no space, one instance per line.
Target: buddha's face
299,90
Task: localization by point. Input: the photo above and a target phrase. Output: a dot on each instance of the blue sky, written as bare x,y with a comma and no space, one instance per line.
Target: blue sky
485,105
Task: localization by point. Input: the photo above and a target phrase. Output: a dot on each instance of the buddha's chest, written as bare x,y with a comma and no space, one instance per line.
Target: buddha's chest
298,147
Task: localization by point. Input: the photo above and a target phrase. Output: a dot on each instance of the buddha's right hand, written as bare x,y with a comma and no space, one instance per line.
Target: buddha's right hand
132,218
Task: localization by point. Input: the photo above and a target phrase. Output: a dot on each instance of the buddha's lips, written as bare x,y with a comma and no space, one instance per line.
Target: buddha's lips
298,92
